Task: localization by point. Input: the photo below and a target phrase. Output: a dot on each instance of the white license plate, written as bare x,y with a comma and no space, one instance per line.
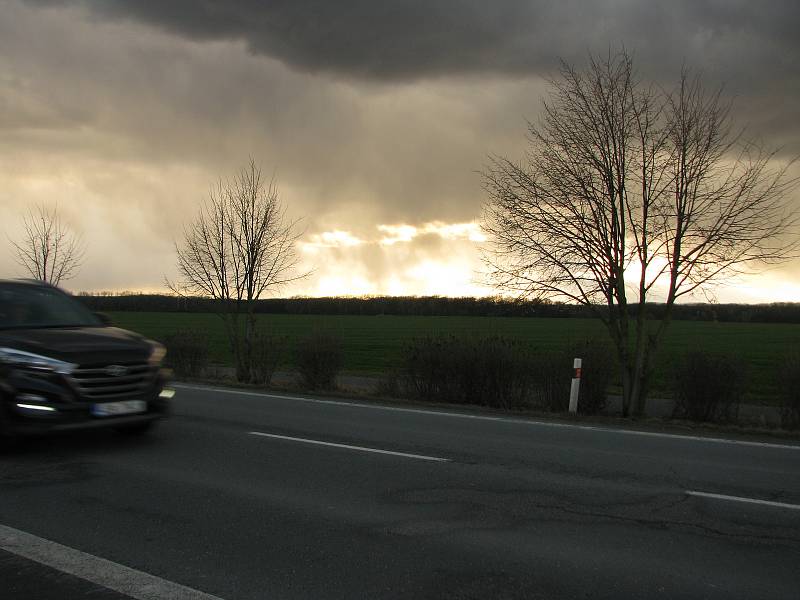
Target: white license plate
124,407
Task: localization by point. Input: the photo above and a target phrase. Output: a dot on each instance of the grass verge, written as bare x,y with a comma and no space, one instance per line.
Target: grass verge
374,344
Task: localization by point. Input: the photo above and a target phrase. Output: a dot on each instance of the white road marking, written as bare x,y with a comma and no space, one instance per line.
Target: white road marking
742,499
534,422
100,571
348,447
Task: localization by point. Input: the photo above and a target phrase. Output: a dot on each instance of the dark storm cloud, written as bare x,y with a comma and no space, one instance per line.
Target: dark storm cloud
407,39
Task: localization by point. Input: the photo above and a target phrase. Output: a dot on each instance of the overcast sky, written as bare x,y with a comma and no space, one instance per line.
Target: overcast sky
373,116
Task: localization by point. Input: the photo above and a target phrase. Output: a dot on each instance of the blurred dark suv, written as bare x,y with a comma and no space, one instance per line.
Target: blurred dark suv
63,367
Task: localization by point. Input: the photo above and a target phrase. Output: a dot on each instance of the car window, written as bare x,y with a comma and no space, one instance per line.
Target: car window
26,306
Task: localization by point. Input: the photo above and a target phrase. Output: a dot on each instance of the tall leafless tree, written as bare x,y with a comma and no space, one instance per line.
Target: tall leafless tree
630,193
49,250
239,246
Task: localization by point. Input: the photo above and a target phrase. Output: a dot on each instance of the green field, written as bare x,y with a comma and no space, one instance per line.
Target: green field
373,344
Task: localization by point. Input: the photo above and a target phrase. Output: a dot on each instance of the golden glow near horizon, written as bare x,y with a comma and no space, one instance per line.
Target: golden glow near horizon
444,278
344,286
428,278
448,231
749,288
433,258
397,233
344,264
329,239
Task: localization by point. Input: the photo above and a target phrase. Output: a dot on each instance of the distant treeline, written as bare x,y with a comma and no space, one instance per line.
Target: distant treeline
783,312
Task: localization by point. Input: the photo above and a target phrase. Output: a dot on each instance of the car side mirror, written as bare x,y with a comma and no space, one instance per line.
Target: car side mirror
104,319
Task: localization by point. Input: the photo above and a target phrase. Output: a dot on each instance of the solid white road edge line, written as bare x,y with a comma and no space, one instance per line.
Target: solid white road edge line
348,447
100,571
440,413
741,499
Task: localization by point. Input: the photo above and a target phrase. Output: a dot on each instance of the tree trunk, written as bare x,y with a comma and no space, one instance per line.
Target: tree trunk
637,391
634,388
627,385
242,369
639,370
247,346
240,356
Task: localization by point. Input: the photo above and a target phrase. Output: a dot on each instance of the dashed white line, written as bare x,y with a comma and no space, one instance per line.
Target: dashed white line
100,571
349,447
533,422
743,499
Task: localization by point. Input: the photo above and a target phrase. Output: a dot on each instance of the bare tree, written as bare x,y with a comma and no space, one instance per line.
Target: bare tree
239,246
628,194
49,250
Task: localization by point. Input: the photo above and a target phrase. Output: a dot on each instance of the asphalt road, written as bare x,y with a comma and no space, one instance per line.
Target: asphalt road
236,497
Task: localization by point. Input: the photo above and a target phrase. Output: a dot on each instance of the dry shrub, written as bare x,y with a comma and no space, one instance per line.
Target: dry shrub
790,392
266,354
708,386
319,359
187,352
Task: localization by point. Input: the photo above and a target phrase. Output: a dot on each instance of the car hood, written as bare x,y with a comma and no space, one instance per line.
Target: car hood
80,345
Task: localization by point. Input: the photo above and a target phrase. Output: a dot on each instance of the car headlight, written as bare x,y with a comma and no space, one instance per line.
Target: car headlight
157,354
34,362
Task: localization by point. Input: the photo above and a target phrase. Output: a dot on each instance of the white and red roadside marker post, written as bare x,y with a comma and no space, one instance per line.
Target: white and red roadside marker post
575,388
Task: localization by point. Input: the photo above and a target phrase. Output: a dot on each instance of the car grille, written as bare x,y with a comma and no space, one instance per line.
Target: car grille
114,381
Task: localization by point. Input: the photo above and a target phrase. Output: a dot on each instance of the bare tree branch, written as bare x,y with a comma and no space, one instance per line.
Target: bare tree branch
48,250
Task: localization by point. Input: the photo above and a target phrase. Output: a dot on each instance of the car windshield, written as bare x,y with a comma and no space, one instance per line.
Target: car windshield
33,307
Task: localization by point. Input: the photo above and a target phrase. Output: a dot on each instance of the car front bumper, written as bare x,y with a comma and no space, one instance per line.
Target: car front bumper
32,412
